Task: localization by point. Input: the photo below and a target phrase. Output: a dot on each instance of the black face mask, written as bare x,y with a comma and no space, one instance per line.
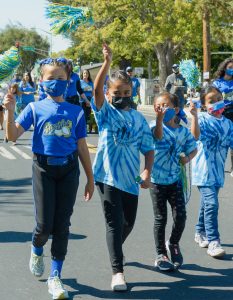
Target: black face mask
121,102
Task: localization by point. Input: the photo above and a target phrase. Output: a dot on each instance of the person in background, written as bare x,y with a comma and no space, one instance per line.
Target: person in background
3,91
27,88
177,85
224,83
135,88
87,87
74,89
16,78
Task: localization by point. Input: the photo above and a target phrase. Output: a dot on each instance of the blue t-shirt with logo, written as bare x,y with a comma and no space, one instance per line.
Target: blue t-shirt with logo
215,139
135,86
27,88
167,168
87,88
57,126
122,136
226,88
72,85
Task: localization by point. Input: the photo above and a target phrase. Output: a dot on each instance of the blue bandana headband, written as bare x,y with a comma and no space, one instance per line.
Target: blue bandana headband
49,61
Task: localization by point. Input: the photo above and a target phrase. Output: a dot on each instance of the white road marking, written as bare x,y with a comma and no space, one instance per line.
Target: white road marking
5,153
20,152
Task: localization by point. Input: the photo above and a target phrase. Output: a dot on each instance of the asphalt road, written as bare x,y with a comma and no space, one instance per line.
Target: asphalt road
86,272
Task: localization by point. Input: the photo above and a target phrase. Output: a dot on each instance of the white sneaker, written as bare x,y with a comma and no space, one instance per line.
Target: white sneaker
231,173
36,265
118,282
56,289
215,249
201,239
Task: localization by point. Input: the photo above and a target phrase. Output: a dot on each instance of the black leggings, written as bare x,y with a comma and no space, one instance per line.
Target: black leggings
54,189
160,194
120,209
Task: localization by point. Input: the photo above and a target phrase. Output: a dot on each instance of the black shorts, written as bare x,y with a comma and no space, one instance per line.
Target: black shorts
1,108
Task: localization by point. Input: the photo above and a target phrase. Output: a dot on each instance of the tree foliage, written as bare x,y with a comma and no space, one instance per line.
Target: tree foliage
26,37
142,30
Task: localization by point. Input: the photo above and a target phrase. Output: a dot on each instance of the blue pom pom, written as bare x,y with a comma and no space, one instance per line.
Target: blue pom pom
190,72
66,19
9,61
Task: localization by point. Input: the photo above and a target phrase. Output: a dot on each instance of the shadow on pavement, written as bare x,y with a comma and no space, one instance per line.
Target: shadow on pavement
201,283
23,237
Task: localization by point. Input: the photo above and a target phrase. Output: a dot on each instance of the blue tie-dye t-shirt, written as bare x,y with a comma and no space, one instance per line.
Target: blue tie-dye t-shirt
122,136
166,169
215,139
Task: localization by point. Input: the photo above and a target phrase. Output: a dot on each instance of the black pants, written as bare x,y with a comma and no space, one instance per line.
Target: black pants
120,209
54,189
87,111
160,194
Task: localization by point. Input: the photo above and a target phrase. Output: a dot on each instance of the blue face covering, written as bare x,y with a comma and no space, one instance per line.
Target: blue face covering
55,88
169,114
229,72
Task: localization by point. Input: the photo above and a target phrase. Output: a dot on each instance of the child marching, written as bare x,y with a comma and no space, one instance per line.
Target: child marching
124,133
58,141
174,145
214,134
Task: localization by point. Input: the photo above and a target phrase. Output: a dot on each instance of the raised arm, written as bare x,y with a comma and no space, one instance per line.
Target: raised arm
195,128
13,130
158,130
100,78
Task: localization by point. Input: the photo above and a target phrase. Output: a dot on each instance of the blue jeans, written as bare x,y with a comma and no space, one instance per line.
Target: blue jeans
208,212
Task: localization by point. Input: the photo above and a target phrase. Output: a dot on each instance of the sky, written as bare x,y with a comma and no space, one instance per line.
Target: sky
30,14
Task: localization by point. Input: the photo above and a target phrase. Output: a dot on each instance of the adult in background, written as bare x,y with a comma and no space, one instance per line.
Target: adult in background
224,83
87,87
135,88
177,85
74,88
27,88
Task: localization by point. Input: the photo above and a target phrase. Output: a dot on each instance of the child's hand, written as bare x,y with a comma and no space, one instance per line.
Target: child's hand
193,109
9,102
160,112
89,190
184,160
145,176
107,52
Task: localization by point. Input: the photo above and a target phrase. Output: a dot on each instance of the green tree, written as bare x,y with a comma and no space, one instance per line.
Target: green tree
37,46
142,30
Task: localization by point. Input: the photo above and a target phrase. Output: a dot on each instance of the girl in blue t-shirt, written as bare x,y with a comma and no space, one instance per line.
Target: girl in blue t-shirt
174,145
58,141
87,87
123,134
27,89
224,83
214,134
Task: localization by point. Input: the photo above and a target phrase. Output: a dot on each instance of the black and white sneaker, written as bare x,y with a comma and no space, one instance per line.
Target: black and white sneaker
175,253
163,263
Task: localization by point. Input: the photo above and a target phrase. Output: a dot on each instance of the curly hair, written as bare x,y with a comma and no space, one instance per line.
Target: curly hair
173,98
222,67
119,75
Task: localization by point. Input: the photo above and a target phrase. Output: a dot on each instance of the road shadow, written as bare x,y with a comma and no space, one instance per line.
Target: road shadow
195,282
23,237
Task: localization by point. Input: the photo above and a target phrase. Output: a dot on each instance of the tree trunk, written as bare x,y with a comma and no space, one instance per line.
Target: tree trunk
160,50
169,56
149,67
206,41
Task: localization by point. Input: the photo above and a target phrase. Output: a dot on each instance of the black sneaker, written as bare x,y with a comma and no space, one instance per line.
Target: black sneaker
176,256
163,263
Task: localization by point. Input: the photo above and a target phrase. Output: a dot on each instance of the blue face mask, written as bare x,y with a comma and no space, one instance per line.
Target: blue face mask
169,114
55,88
229,72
